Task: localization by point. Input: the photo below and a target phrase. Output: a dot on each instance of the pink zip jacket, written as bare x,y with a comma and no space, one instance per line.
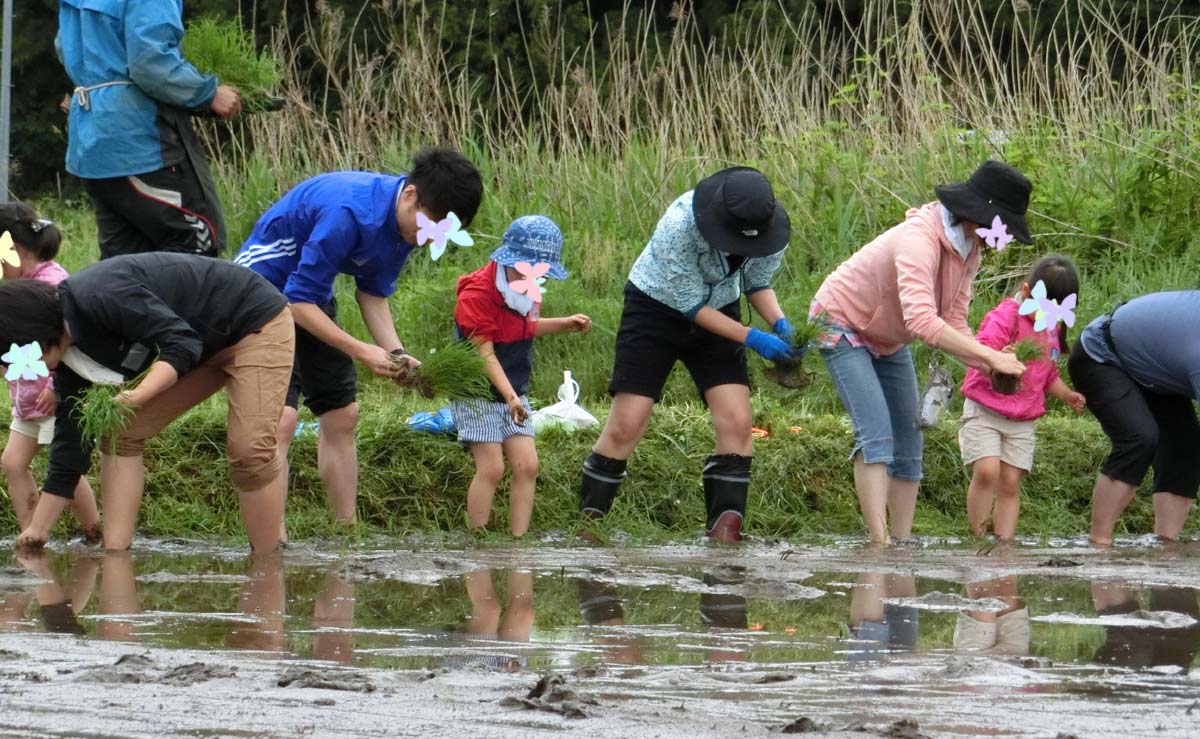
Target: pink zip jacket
1000,328
24,393
908,284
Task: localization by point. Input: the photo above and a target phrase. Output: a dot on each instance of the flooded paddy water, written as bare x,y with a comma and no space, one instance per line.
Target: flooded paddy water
181,639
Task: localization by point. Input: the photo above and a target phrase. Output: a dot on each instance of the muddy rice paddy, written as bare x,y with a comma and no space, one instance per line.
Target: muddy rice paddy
183,639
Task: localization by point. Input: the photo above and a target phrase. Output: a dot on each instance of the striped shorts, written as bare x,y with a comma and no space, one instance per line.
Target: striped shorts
488,421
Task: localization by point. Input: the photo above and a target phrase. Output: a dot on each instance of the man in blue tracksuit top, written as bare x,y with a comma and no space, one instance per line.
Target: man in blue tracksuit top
130,139
361,224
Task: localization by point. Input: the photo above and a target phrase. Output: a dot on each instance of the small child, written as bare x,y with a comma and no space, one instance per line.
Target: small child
498,309
35,242
996,432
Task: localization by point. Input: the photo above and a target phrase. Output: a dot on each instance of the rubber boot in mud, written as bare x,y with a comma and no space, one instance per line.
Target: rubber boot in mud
726,484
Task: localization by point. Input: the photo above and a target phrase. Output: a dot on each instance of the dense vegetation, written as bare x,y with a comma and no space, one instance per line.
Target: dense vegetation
855,110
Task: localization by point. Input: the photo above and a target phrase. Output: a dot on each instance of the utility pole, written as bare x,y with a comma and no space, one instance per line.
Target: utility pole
5,99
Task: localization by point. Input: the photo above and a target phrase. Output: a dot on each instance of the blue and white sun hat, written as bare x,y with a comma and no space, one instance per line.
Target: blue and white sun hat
532,239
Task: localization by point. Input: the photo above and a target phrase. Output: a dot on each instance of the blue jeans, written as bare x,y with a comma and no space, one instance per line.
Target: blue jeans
881,396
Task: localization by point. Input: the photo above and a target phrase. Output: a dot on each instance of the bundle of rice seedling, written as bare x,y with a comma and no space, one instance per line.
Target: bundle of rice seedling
456,371
1026,350
225,49
101,416
790,373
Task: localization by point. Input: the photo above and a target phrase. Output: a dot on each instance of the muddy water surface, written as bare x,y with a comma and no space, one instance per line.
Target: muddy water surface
182,639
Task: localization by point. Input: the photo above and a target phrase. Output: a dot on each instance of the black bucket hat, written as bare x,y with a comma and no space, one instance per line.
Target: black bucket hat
994,189
736,213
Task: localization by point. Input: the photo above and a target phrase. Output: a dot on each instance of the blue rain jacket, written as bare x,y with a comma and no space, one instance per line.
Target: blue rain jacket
117,130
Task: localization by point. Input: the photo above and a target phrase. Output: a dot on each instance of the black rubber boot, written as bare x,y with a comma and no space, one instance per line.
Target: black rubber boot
726,484
601,477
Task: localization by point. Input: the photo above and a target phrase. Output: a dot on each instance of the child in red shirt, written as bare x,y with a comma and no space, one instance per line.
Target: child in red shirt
498,309
995,433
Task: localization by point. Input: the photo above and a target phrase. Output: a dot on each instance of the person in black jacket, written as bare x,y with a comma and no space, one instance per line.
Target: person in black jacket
194,326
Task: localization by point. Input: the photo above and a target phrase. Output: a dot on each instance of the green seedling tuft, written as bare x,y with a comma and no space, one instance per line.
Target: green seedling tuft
456,371
225,49
101,417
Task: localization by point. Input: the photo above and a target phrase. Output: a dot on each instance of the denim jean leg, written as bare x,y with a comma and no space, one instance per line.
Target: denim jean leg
898,377
857,383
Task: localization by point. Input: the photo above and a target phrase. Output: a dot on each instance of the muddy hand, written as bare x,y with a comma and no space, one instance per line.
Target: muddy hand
32,539
516,409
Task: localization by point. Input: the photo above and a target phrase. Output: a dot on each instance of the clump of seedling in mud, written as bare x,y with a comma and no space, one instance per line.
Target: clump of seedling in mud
456,372
1026,350
790,373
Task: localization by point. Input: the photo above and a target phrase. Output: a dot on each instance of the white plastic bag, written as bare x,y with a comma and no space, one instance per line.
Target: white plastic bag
566,413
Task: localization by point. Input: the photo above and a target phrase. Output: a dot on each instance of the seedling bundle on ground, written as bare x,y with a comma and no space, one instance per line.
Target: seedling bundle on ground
225,49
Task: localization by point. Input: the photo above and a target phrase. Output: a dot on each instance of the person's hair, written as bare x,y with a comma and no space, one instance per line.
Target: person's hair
446,181
29,312
1058,273
39,236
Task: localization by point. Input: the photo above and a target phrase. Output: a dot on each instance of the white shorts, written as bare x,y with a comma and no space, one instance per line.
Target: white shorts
985,433
41,429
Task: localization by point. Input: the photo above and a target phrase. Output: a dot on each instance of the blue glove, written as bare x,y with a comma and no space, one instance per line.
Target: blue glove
768,346
783,329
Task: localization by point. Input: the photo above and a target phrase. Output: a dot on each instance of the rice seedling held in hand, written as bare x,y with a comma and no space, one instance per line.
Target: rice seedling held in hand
1026,350
790,373
456,371
225,49
101,417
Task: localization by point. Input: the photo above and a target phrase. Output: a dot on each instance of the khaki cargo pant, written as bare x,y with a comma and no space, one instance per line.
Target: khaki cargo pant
255,373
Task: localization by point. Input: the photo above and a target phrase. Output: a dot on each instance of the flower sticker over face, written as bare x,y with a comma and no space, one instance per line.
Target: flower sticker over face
8,252
440,233
1046,311
997,236
24,362
532,275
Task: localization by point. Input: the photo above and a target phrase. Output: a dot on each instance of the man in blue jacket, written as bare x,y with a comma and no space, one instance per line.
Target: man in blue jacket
130,138
361,224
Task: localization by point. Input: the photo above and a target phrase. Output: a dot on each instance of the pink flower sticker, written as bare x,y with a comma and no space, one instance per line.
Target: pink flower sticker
532,275
440,233
997,236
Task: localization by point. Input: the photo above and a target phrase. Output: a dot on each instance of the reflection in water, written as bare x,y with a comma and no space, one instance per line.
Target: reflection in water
287,605
491,621
1138,647
1003,632
333,617
262,604
59,603
877,628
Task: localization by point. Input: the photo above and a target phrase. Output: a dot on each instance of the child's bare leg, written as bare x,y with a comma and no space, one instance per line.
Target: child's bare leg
521,454
84,507
489,468
985,474
1008,501
18,455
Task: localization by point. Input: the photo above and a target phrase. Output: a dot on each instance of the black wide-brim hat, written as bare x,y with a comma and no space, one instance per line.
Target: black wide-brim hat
736,213
994,189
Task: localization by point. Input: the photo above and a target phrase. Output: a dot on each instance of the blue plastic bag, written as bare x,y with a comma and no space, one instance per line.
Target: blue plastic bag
434,422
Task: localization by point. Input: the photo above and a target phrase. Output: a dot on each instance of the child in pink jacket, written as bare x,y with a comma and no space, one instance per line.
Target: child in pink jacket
35,244
995,432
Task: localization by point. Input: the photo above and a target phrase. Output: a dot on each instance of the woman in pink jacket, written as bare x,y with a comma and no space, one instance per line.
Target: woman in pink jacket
913,282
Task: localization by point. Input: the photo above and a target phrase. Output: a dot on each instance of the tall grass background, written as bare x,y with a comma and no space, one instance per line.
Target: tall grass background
852,125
